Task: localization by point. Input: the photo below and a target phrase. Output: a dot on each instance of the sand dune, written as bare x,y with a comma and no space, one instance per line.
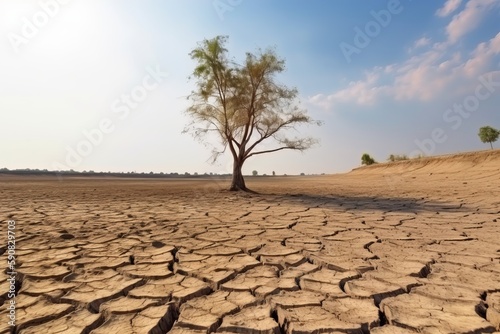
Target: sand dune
408,247
475,162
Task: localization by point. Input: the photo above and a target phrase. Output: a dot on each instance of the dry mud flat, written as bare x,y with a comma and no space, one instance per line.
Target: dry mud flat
409,248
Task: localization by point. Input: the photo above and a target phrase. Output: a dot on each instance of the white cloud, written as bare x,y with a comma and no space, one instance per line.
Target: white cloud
431,73
423,77
364,92
422,42
482,57
449,7
419,43
469,18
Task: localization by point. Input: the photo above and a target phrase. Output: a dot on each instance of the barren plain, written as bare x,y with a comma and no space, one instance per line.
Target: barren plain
407,247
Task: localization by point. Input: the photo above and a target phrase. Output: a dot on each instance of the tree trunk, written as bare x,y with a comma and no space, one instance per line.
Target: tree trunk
238,182
491,144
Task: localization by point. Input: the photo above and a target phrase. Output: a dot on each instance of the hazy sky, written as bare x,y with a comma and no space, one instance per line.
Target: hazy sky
101,85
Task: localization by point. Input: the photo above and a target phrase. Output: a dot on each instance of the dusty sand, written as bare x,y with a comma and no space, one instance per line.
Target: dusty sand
410,247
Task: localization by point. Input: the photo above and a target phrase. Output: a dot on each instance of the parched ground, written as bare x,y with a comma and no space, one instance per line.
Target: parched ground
410,248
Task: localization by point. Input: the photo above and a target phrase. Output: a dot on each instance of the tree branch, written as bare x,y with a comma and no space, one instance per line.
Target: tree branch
273,150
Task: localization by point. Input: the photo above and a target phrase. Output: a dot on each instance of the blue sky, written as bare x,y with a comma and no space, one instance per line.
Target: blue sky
101,85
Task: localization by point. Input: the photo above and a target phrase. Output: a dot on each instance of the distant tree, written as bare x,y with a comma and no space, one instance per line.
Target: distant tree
397,157
366,159
243,105
302,174
274,173
487,134
255,173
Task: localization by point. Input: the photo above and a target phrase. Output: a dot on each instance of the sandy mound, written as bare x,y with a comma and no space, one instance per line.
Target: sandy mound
481,161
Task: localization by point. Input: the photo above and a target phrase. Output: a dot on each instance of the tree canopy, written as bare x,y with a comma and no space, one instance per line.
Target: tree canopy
243,105
488,134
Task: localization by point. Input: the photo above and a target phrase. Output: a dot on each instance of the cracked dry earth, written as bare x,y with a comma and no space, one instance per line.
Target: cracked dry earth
355,253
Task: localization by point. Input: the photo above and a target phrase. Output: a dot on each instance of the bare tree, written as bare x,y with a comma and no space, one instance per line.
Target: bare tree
243,105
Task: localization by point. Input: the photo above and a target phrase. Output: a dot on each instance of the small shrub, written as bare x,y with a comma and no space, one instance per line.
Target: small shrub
366,159
397,157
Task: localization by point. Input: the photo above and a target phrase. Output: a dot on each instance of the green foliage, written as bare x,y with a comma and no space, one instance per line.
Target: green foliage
366,159
255,173
487,134
397,157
